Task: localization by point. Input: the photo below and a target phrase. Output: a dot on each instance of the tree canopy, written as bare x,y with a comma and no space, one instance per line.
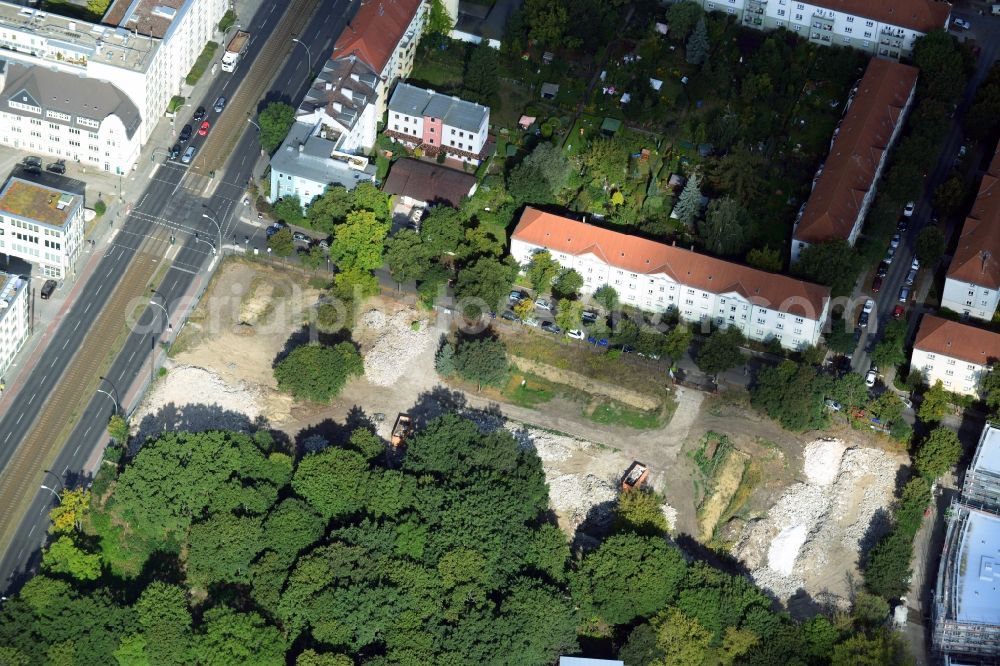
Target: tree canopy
318,372
275,121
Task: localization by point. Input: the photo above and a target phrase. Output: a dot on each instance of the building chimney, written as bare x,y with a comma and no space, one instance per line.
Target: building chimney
302,146
329,85
985,254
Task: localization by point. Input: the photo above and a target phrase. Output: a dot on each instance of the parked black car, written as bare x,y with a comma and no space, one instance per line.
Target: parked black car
883,269
57,167
186,132
48,288
175,152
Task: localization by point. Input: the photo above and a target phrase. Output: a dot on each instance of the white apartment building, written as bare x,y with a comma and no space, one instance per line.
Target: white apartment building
384,36
436,122
972,285
657,277
65,116
844,185
42,224
15,323
886,28
956,354
143,48
340,105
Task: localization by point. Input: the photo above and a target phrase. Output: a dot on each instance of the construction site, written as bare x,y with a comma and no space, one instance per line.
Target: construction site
967,595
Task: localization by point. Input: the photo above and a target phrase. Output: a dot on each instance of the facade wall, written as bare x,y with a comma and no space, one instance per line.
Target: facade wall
53,249
433,131
400,63
658,293
956,375
970,299
821,25
14,323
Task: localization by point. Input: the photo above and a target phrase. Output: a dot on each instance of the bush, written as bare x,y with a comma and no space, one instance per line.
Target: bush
201,64
227,21
100,207
176,102
317,372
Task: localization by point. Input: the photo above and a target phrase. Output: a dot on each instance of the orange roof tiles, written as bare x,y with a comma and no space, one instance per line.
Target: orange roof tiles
375,31
638,255
849,171
977,257
919,15
959,341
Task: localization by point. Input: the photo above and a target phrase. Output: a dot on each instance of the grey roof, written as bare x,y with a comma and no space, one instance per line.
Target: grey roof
313,161
414,101
351,86
73,95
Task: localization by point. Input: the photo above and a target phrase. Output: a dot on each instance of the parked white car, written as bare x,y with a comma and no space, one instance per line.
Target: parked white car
909,208
869,306
960,24
915,264
543,304
894,243
870,378
576,334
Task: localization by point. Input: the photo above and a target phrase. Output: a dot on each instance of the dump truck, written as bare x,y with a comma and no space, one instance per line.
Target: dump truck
402,430
635,476
235,51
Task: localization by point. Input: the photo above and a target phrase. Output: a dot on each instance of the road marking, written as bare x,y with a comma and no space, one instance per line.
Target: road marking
131,357
32,398
53,363
77,325
32,530
186,270
110,271
6,438
87,309
65,343
44,378
77,450
88,431
99,290
19,417
122,376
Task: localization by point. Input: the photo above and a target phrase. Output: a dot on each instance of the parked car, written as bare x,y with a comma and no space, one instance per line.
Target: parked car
508,315
32,161
175,152
890,253
57,167
185,134
833,404
575,334
908,209
603,342
915,264
203,129
869,306
876,285
906,402
220,104
960,24
301,237
47,288
543,304
882,270
904,294
324,244
903,224
517,296
188,155
894,243
863,319
589,317
911,277
898,311
550,327
870,378
199,114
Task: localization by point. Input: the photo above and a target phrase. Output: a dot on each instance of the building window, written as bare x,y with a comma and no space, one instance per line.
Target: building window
850,19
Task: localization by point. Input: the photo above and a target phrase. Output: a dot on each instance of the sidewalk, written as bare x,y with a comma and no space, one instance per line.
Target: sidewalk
102,231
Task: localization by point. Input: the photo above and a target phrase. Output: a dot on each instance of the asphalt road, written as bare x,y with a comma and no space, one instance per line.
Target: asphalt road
166,208
988,31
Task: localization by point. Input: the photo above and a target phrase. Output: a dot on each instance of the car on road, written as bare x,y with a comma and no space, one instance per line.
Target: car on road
898,312
575,334
301,237
188,155
517,296
508,315
915,264
199,114
904,294
47,288
870,377
550,327
876,285
960,24
203,129
894,243
890,253
543,304
909,208
910,277
185,134
175,151
869,306
220,104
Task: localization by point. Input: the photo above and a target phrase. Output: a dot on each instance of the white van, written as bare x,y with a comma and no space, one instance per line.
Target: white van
188,155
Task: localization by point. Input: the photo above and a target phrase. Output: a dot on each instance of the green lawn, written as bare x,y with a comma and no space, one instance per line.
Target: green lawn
527,390
613,413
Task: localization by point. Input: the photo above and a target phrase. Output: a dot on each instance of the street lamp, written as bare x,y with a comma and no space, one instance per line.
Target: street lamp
59,479
58,496
114,398
250,120
217,226
308,52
